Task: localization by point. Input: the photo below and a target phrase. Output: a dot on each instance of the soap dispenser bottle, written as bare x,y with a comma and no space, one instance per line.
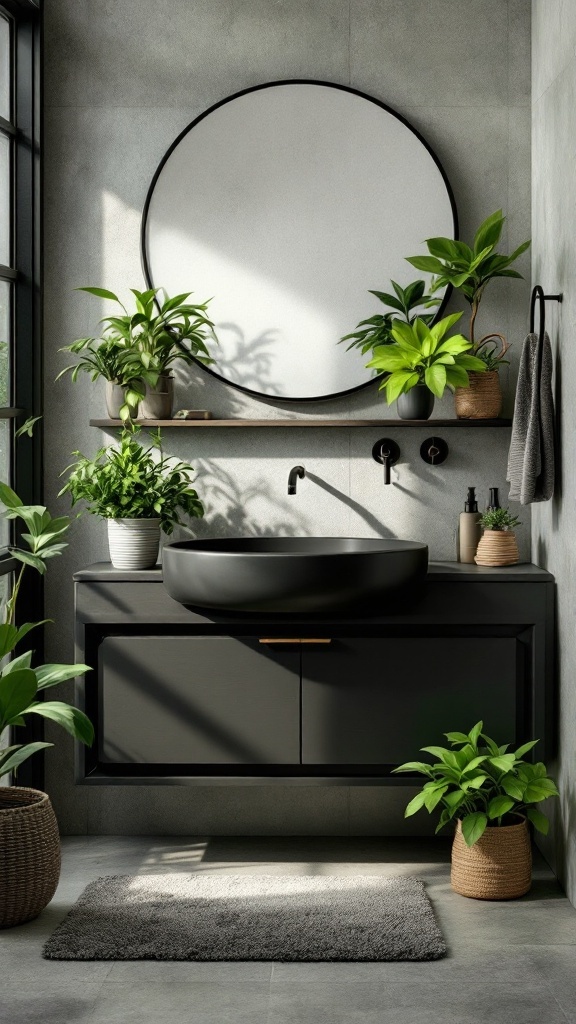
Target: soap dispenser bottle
470,531
493,500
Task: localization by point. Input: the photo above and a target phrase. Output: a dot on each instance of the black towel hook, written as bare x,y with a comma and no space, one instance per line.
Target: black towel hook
538,293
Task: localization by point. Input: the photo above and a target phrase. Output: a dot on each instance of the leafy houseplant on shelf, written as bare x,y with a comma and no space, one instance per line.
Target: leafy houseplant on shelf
491,793
498,544
137,494
104,357
470,269
138,350
29,841
377,329
421,363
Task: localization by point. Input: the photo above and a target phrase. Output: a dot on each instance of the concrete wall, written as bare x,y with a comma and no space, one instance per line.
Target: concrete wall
554,258
122,80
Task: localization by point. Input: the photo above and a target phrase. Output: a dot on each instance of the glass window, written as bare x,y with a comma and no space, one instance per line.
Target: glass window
5,82
5,198
5,337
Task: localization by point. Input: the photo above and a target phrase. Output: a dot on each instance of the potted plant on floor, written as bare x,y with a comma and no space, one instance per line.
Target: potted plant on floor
139,495
29,841
498,544
376,330
470,269
421,363
491,793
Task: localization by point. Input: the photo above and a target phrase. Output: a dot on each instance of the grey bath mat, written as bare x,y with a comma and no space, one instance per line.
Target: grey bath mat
249,917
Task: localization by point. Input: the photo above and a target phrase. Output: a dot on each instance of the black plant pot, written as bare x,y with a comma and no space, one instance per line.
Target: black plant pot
416,404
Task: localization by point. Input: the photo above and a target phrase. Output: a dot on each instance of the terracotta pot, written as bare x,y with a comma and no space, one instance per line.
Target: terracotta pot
482,400
497,547
159,401
497,867
29,854
416,404
114,399
133,543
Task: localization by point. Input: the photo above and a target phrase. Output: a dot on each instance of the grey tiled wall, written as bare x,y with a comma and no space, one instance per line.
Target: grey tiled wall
121,81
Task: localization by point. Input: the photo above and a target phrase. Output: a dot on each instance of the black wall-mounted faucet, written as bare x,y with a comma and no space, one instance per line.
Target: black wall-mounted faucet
295,472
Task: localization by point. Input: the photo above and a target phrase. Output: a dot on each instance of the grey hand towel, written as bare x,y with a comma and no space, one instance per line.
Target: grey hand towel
531,456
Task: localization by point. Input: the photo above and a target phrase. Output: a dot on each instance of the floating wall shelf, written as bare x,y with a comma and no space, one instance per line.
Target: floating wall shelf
203,424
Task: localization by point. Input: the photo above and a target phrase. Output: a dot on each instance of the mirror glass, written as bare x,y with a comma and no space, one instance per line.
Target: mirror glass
284,204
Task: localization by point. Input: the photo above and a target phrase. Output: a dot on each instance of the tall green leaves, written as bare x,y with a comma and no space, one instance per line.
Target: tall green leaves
20,682
136,348
480,783
421,354
377,329
470,268
129,483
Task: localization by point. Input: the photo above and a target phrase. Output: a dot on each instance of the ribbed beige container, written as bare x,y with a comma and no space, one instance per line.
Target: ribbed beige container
497,867
134,543
497,547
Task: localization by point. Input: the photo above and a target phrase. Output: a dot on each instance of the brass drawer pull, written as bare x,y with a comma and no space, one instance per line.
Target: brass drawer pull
294,640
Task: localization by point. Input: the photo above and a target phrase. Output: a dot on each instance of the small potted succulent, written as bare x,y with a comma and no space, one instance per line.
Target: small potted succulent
137,494
470,269
29,840
376,330
138,350
491,793
421,363
498,544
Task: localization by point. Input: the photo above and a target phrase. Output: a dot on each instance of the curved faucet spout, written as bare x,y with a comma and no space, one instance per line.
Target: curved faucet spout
297,472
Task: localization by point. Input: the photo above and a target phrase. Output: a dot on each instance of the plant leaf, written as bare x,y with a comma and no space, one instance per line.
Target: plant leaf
415,804
17,689
21,755
473,827
70,718
500,805
50,675
539,820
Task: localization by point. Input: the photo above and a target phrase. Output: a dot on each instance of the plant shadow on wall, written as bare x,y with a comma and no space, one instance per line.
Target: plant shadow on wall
230,511
371,520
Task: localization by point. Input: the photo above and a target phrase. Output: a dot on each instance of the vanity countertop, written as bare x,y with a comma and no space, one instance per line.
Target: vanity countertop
457,572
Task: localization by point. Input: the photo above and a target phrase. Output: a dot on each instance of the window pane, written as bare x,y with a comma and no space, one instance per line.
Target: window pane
4,475
5,68
5,200
5,295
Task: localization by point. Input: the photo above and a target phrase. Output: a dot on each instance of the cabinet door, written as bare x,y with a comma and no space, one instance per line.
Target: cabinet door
377,701
181,699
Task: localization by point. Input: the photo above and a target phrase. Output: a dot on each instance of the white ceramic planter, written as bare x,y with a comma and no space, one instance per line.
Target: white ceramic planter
133,543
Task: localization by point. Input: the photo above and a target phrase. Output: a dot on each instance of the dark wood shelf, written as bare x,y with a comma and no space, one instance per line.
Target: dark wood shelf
342,424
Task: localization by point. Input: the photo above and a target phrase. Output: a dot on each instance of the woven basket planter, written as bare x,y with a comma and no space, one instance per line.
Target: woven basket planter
497,867
29,854
482,400
497,547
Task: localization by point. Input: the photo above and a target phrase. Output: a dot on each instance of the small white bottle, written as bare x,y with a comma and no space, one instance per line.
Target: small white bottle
469,531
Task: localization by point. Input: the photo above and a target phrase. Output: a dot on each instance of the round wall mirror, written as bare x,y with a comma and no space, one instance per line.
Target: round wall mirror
284,205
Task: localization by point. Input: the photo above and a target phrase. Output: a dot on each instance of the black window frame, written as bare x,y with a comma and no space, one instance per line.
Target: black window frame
24,272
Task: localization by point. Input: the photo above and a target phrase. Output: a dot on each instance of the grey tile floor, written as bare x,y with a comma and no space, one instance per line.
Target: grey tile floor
511,963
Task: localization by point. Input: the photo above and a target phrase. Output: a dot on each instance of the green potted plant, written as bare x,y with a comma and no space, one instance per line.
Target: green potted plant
140,348
421,363
498,544
105,357
470,269
29,841
137,494
491,793
376,330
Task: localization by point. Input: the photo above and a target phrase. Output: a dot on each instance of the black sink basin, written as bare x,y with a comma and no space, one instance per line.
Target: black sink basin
294,574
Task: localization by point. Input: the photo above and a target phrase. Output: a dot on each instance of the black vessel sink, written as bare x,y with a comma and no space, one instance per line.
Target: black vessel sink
294,574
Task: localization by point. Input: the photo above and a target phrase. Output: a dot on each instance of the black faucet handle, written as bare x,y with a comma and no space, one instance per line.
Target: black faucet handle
387,452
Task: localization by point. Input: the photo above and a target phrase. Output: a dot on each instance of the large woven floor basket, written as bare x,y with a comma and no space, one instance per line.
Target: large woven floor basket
497,867
29,854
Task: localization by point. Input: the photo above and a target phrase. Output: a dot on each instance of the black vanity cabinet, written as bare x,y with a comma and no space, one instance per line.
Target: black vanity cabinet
182,696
